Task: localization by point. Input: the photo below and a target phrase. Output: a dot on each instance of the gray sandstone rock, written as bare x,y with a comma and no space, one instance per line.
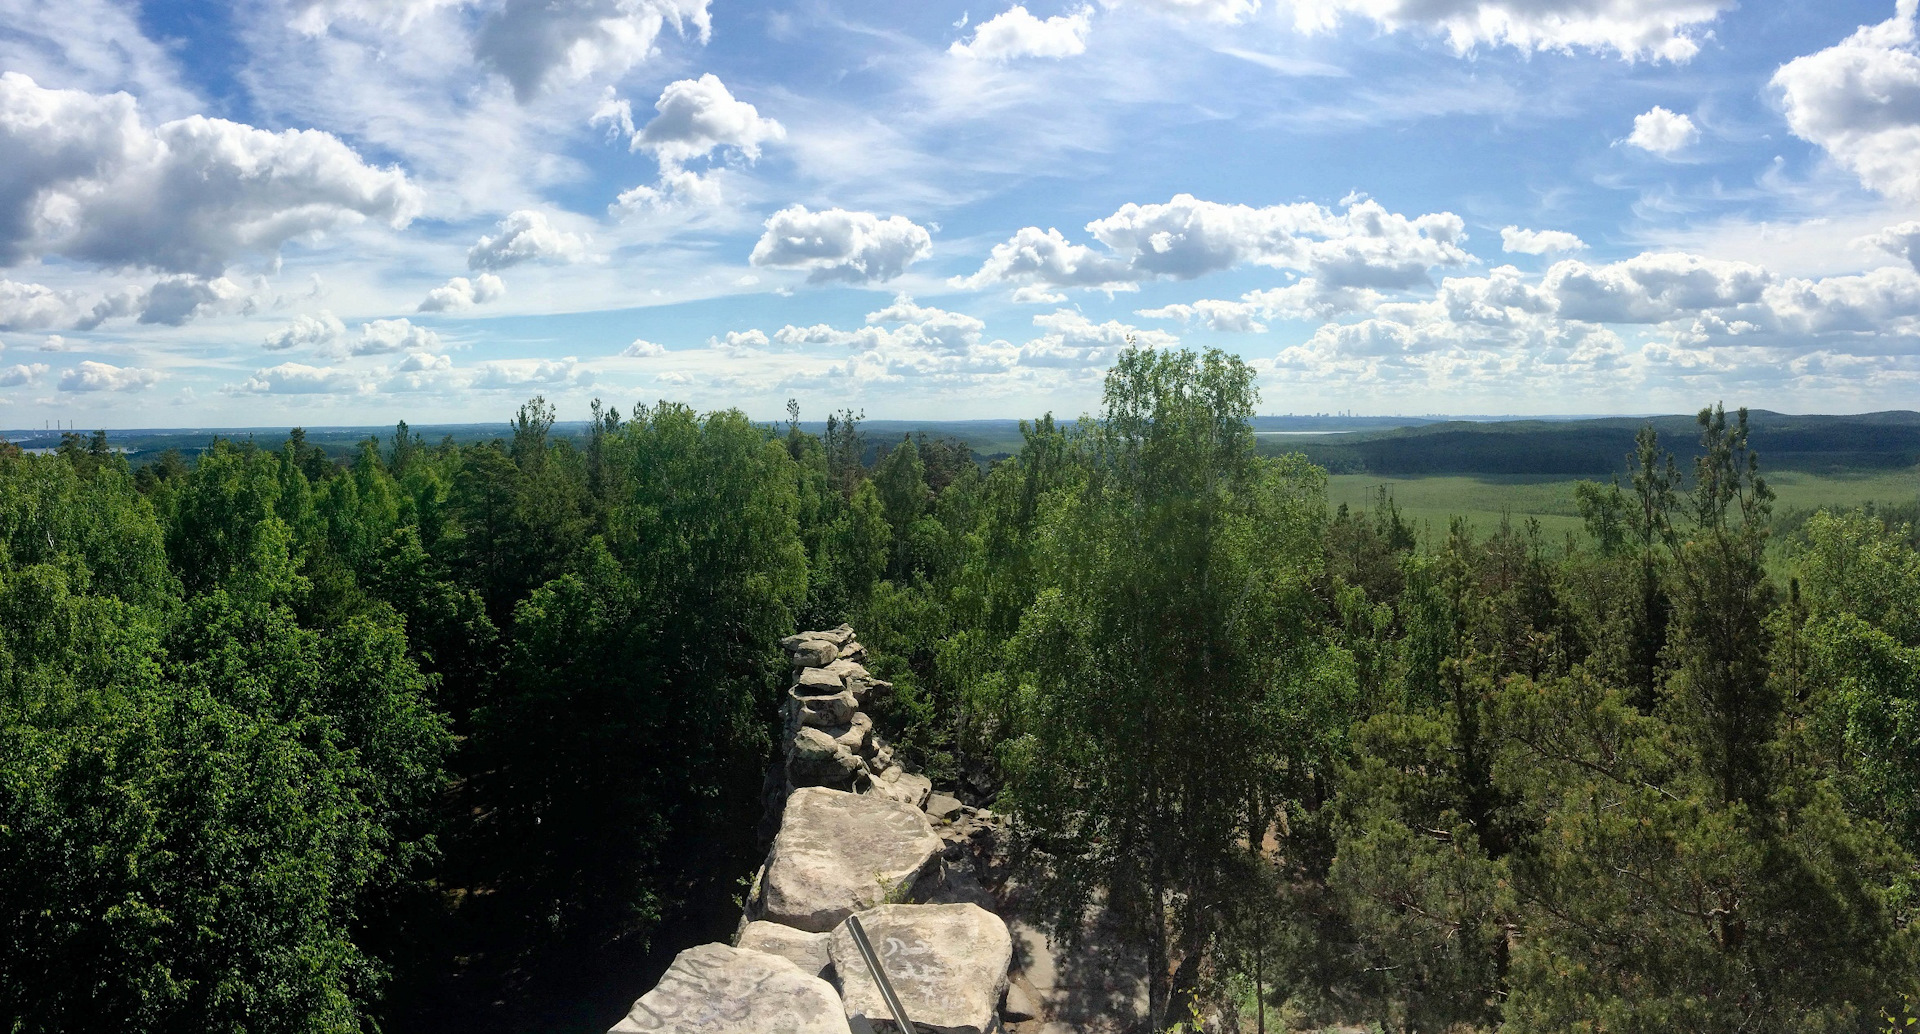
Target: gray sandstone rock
1019,1004
816,759
817,682
811,653
858,734
715,989
941,807
838,635
866,687
898,784
837,853
844,668
803,949
825,710
948,964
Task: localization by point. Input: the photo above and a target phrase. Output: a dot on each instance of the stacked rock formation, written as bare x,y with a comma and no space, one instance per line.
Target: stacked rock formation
830,738
854,839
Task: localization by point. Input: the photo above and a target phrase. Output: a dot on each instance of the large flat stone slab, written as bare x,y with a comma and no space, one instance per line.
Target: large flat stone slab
948,964
715,989
807,950
837,853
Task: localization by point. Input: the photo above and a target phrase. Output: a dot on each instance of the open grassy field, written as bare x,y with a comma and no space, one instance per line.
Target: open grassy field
1484,500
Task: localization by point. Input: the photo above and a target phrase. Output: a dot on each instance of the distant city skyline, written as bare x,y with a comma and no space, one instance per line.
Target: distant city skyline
350,212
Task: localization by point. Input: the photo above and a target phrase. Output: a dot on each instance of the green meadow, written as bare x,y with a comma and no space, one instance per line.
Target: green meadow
1484,500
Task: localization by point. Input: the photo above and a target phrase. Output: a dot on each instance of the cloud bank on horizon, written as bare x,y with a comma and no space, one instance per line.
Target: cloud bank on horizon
351,211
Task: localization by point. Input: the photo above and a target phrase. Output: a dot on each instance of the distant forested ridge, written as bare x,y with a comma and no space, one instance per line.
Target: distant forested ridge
1594,448
472,734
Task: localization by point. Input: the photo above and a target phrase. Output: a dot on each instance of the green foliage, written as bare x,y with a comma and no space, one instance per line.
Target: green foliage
474,734
198,796
1179,577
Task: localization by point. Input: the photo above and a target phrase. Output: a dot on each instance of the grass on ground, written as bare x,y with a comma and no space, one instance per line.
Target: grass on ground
1430,502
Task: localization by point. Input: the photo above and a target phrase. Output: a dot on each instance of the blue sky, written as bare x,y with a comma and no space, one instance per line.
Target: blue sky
354,211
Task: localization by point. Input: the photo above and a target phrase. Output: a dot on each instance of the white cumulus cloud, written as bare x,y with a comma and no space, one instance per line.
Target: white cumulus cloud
904,342
1663,132
385,337
1073,340
1015,33
1902,240
1859,100
460,293
174,300
697,116
34,306
421,371
1515,240
736,341
530,373
835,244
1362,246
524,236
1305,299
536,43
643,349
1652,287
301,379
321,331
87,179
92,376
21,374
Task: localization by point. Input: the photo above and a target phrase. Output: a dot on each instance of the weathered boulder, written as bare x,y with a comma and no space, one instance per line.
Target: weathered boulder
898,784
817,759
714,989
803,949
948,964
811,653
839,635
857,735
941,807
868,688
837,853
1019,1004
853,651
842,669
824,710
817,682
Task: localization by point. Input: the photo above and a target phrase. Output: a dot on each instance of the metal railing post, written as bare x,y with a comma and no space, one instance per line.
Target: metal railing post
879,975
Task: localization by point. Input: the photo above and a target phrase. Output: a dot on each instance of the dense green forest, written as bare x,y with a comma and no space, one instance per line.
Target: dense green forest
472,735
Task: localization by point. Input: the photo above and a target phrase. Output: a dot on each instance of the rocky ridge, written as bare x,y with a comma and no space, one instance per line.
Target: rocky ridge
854,837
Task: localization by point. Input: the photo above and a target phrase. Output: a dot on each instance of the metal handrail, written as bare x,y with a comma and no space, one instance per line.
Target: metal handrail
879,975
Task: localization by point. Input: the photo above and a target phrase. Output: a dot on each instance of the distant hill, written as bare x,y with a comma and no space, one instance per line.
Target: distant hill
1599,447
1385,446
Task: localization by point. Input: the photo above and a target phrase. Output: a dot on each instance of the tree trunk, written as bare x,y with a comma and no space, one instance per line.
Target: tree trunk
1157,953
1259,981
